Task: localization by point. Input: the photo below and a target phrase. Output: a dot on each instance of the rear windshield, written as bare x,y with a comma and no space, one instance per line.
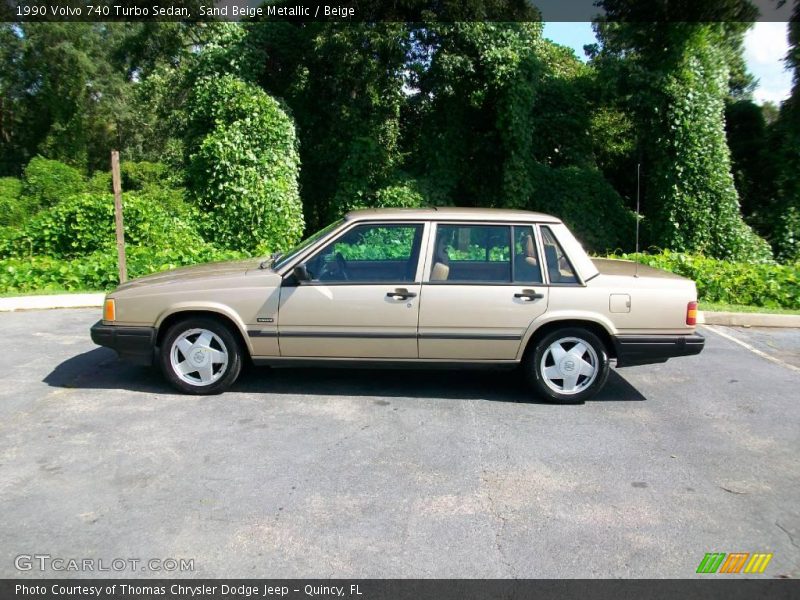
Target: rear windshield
577,255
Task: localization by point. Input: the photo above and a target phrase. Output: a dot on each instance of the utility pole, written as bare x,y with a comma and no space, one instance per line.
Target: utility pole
117,183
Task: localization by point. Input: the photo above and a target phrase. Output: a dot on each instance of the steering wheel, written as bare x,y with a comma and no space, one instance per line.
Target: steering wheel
341,263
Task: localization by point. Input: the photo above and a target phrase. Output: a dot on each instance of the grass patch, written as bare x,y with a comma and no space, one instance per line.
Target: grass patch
740,308
48,292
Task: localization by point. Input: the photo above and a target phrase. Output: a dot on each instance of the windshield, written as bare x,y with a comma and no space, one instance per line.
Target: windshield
284,258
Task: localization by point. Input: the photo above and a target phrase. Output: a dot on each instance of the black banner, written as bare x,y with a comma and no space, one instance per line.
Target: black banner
382,10
404,589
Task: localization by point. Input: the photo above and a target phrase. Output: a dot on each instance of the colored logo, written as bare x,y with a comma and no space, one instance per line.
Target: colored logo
735,562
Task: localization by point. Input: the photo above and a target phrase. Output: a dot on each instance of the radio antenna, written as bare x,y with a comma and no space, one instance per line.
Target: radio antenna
638,188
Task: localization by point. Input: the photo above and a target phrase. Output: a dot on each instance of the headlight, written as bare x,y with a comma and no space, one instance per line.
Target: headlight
109,310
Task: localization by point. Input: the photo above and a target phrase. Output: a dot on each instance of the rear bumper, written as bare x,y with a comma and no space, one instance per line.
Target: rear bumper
135,344
646,349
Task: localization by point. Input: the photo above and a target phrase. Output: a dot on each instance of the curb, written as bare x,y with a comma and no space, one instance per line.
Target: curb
54,301
732,319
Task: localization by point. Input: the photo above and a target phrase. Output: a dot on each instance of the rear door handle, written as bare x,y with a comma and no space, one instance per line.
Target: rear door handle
401,294
529,295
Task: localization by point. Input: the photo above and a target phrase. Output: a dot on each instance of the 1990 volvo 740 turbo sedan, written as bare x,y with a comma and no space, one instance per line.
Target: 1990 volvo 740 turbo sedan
416,287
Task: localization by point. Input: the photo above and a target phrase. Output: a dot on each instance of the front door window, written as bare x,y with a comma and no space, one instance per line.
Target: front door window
370,253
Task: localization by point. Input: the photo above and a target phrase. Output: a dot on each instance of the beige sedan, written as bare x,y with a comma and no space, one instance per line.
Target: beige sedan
442,287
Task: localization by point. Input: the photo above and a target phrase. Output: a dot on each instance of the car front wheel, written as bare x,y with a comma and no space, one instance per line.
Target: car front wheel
568,366
200,356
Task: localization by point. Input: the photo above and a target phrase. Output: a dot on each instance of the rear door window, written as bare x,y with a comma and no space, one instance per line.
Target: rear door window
472,254
527,264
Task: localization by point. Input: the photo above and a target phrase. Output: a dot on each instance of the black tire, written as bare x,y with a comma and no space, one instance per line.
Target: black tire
222,376
586,386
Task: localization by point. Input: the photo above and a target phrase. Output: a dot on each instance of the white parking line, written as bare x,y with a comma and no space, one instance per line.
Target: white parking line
751,348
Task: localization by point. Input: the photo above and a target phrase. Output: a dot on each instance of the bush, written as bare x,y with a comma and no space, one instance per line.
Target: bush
401,195
243,166
14,210
153,178
135,176
142,175
71,245
768,285
84,223
98,271
100,183
586,202
787,235
46,182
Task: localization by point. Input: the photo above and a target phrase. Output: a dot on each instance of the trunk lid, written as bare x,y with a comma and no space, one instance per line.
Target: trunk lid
612,266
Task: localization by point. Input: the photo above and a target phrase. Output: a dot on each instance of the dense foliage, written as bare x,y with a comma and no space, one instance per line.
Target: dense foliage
676,78
12,210
769,285
95,271
785,213
46,182
236,138
343,83
243,166
70,243
84,223
503,116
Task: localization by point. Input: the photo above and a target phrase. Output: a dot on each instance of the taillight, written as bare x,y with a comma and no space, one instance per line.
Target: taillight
691,313
109,310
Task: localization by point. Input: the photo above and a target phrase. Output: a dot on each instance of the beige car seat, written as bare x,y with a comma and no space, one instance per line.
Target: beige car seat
441,261
530,252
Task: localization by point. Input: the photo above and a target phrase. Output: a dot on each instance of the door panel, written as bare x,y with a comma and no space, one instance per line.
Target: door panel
348,321
363,299
480,322
484,287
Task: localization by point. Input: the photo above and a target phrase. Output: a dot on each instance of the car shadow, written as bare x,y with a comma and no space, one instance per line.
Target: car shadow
101,369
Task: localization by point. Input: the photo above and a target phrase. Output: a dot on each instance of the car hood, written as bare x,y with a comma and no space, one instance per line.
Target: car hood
203,271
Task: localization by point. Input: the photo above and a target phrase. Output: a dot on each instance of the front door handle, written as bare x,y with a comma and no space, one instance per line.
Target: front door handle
529,295
401,294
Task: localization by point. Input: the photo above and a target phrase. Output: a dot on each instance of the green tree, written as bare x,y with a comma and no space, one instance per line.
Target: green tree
500,118
13,142
243,166
343,83
677,76
785,151
67,94
47,182
73,91
752,168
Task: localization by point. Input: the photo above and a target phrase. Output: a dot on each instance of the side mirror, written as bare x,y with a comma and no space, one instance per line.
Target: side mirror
300,273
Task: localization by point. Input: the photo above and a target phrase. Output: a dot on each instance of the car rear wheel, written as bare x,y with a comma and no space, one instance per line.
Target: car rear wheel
200,356
567,366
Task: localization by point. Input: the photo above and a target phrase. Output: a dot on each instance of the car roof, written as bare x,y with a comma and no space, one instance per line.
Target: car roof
454,213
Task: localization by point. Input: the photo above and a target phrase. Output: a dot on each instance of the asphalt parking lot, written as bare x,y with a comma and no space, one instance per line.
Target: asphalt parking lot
328,473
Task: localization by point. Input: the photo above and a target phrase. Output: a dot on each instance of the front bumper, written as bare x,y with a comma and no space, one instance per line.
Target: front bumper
135,344
646,349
